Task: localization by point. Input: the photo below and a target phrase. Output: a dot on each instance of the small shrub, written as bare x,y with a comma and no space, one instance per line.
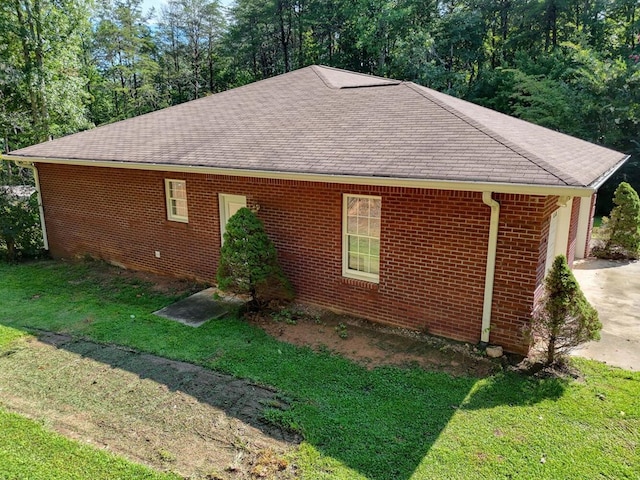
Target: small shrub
341,330
620,233
563,318
285,315
249,264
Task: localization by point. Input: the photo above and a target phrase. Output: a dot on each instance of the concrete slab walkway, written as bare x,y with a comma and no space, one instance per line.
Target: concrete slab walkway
198,308
613,288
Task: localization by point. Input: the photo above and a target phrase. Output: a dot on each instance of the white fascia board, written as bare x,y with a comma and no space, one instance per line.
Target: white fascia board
466,186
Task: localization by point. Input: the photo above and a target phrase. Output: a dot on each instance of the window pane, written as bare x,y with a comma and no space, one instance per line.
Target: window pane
353,261
375,265
352,224
374,227
376,204
363,207
363,226
374,247
177,189
181,209
353,244
366,264
363,245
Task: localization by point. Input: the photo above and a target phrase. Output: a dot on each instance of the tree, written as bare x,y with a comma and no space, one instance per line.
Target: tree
41,83
622,229
563,318
20,232
248,262
123,50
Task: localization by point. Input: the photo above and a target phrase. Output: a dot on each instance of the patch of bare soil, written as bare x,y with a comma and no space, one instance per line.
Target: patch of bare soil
104,273
170,415
370,344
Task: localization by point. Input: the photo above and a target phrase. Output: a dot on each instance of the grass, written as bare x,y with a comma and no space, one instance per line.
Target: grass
28,450
386,423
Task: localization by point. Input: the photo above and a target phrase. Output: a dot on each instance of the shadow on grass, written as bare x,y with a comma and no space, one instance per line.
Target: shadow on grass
379,423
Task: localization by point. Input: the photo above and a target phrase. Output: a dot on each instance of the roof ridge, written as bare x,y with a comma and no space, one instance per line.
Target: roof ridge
314,68
533,158
367,80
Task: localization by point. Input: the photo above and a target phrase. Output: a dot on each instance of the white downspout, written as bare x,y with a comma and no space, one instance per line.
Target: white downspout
36,178
491,265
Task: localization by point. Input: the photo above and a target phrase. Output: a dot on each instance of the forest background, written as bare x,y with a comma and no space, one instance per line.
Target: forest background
569,65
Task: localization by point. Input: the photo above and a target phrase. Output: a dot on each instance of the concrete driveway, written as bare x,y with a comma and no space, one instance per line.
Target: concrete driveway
613,288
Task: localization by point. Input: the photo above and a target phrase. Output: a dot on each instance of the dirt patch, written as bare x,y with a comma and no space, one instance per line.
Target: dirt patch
103,273
170,415
370,344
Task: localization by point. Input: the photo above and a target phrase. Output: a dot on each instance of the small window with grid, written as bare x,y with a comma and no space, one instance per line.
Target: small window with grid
176,194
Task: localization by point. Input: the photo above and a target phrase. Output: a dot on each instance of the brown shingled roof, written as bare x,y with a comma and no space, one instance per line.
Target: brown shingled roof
320,120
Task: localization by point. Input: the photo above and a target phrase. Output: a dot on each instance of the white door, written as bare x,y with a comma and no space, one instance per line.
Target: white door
229,204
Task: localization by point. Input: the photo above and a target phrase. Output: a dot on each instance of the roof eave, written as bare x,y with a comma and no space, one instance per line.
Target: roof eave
457,185
608,174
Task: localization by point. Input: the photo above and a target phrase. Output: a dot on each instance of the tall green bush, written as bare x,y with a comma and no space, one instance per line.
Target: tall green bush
249,263
564,318
621,231
20,231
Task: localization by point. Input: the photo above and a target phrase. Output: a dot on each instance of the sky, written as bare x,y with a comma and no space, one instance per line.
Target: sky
147,4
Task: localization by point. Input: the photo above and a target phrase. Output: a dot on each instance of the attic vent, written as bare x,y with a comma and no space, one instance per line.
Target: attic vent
334,78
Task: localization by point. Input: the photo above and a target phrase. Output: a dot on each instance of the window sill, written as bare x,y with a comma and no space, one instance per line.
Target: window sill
174,224
357,282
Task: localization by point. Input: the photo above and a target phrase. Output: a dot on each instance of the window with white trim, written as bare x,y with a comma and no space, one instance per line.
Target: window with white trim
176,194
361,237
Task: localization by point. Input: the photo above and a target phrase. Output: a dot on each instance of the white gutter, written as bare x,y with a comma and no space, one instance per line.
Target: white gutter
607,175
465,186
487,198
36,177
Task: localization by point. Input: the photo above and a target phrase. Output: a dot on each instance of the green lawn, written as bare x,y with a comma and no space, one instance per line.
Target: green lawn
386,423
29,451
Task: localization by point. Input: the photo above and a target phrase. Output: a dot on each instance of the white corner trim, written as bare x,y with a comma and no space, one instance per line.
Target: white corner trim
583,227
487,198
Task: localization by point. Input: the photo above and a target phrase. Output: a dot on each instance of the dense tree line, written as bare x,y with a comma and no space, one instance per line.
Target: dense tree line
570,65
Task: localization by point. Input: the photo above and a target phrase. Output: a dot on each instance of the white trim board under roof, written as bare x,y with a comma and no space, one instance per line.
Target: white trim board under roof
512,188
324,124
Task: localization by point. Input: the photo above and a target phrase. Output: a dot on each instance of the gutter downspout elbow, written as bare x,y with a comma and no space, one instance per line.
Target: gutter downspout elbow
36,178
487,198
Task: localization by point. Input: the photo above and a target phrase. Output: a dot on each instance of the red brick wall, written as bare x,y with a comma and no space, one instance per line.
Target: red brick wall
573,230
433,246
520,258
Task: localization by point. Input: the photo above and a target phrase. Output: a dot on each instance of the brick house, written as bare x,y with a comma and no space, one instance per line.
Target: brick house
385,199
